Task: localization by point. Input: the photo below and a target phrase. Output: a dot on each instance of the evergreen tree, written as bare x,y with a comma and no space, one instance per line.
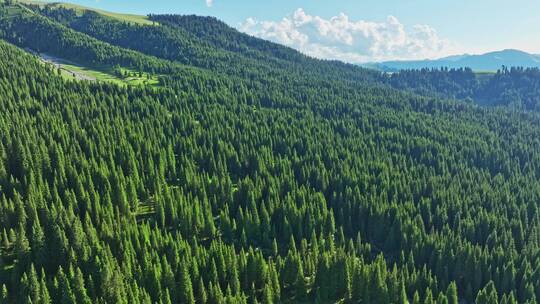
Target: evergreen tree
488,294
185,289
202,296
403,299
4,297
451,294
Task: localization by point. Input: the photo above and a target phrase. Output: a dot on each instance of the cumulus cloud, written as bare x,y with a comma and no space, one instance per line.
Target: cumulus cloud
209,3
353,41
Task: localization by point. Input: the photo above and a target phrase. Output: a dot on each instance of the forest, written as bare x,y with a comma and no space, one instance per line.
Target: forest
514,87
255,174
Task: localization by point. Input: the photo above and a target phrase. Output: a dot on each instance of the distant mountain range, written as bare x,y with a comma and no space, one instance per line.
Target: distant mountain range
485,62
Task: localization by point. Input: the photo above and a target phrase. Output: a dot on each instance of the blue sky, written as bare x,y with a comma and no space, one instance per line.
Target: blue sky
366,30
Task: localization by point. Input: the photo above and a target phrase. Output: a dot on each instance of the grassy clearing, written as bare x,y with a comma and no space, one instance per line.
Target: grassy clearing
13,11
108,74
131,77
118,75
138,19
70,69
123,17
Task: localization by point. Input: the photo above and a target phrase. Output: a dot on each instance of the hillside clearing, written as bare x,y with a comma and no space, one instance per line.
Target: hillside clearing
138,19
70,69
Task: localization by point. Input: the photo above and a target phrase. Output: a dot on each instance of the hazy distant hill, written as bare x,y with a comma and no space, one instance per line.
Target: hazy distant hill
485,62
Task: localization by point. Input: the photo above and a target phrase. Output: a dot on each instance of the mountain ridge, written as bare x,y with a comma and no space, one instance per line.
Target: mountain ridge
453,61
486,62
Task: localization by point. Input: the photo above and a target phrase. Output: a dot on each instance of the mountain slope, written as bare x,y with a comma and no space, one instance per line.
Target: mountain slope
144,20
260,177
485,62
516,88
203,42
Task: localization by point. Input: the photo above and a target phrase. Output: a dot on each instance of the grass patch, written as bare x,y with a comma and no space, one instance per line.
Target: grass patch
131,77
105,73
69,69
117,75
138,19
13,11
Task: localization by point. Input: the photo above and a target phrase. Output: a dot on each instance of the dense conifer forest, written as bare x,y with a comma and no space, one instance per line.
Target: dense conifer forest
514,87
255,174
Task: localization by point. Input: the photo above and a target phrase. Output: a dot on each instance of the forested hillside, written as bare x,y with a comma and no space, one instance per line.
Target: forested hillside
515,87
195,41
251,174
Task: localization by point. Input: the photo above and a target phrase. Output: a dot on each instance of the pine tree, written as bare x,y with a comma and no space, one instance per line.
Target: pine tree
112,284
442,299
512,298
37,243
185,289
416,298
44,296
79,288
274,282
488,294
34,287
300,288
202,296
268,297
166,297
530,295
4,298
64,292
22,246
215,294
451,294
403,299
428,298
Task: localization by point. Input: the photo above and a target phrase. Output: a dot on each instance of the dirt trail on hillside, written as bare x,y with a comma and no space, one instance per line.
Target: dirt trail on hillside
60,64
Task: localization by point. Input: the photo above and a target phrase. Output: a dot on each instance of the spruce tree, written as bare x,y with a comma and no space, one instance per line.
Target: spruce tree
185,289
451,294
4,297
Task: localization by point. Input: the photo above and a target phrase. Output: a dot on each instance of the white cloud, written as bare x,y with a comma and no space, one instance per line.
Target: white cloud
352,41
209,3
